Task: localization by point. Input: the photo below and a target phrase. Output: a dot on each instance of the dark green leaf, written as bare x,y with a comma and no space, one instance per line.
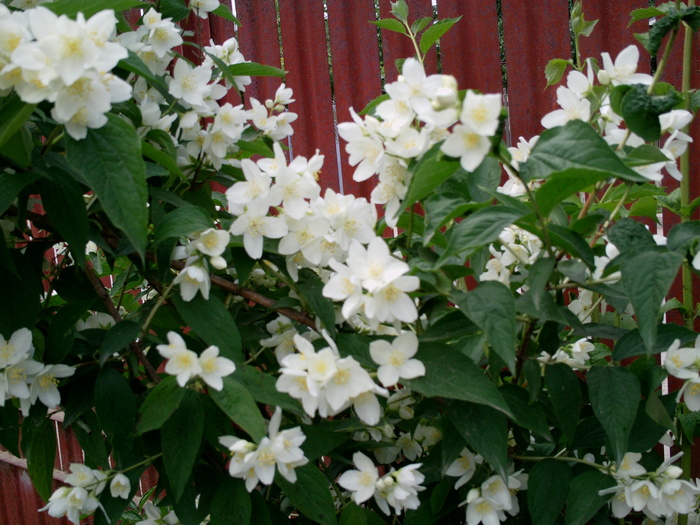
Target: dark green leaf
160,157
431,171
41,455
574,145
614,393
451,374
632,345
134,64
239,405
92,441
310,494
231,504
647,275
485,430
644,155
14,114
175,9
572,243
627,233
641,111
645,207
181,222
565,395
491,307
479,229
109,160
435,31
159,405
11,184
484,180
118,338
211,321
563,184
311,287
683,235
261,386
19,146
354,515
115,404
548,488
584,500
181,437
529,416
90,7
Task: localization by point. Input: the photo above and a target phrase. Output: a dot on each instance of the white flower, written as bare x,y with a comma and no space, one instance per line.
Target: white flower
214,368
624,70
190,84
120,487
481,112
395,359
193,279
463,467
204,7
361,481
212,242
182,363
574,107
254,224
45,385
482,510
18,348
466,144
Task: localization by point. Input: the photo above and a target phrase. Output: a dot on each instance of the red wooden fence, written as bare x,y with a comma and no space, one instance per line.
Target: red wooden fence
533,33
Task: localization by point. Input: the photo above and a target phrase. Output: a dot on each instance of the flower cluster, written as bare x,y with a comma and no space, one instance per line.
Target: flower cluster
194,277
85,485
329,384
66,62
25,379
186,364
398,489
684,363
657,494
576,355
489,503
519,249
277,451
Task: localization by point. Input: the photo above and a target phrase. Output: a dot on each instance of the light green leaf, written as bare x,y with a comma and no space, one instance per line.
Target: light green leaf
159,405
181,222
644,207
563,184
584,498
211,321
239,405
41,455
224,11
109,161
451,374
614,393
310,494
555,69
428,174
435,32
181,437
574,145
14,114
420,24
479,229
492,308
647,275
90,7
251,69
548,488
400,10
485,430
175,9
565,395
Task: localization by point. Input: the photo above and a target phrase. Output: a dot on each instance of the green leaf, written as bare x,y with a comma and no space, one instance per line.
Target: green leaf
211,321
574,145
555,69
431,171
231,504
451,374
584,501
261,386
448,201
90,7
483,182
118,338
647,275
109,161
224,11
251,69
683,235
134,64
479,229
354,515
644,155
63,200
641,111
614,393
18,147
239,405
181,437
485,430
492,308
565,396
548,488
159,405
435,32
626,234
11,184
632,345
151,152
310,494
644,207
420,24
644,13
41,455
182,222
14,114
563,184
400,10
115,404
175,9
572,243
526,415
311,287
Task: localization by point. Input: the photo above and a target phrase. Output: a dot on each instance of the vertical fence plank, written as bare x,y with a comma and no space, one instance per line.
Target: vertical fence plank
395,45
470,51
534,33
306,59
257,39
356,73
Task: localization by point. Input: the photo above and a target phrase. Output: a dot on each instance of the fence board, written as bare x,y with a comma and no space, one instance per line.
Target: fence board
355,82
396,45
306,59
534,33
470,51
